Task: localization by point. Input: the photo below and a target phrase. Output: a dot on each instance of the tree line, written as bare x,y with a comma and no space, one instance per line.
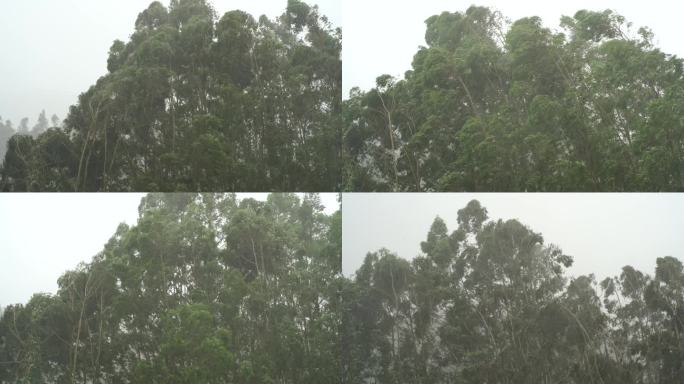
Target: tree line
194,102
7,129
490,302
492,106
205,288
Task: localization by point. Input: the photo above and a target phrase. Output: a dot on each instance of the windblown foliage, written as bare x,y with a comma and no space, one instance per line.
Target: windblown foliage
490,303
204,289
524,108
197,103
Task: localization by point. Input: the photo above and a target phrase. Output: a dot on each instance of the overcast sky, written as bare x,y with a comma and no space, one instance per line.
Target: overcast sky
44,235
54,50
381,36
603,232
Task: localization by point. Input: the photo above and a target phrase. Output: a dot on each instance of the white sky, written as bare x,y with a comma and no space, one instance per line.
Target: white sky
52,51
381,36
603,232
44,235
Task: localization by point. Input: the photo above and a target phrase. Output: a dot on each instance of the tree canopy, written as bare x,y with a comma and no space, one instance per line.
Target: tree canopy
490,302
492,106
203,289
194,102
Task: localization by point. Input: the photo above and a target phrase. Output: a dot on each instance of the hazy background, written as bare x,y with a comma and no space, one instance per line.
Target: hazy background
381,36
603,232
44,235
52,51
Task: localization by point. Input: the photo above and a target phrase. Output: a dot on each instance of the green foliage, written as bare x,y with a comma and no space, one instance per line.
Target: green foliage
489,107
491,303
197,103
204,289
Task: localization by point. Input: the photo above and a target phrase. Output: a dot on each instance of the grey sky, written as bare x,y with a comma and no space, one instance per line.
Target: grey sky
381,36
603,232
44,235
54,50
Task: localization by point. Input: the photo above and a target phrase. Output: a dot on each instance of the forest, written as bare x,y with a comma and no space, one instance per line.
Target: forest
491,105
7,130
205,288
194,102
490,302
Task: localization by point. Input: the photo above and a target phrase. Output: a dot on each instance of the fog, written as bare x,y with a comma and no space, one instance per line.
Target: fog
55,50
603,232
44,235
381,36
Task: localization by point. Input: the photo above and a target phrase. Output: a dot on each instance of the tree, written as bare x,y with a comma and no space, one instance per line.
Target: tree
41,126
55,121
194,102
6,131
491,303
204,288
491,106
646,312
23,128
15,169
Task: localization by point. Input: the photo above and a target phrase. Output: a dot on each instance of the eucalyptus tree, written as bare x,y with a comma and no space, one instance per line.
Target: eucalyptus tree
41,125
6,131
648,315
492,106
204,288
490,302
197,101
23,128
